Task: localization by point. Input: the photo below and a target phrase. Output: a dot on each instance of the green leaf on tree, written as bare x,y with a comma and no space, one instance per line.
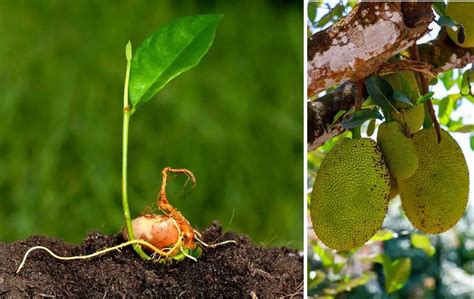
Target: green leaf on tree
399,96
350,283
360,117
170,51
462,128
446,21
446,107
424,97
383,235
397,274
423,242
467,80
326,255
338,116
312,10
314,282
332,14
448,79
381,92
440,8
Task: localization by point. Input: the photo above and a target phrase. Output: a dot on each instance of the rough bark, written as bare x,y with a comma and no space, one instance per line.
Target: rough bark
441,54
361,42
444,54
321,114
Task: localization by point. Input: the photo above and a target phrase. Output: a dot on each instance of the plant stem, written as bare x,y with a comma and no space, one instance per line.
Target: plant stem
126,120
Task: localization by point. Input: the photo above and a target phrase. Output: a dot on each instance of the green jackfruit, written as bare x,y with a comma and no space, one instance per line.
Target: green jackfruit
397,149
406,82
350,195
435,197
413,116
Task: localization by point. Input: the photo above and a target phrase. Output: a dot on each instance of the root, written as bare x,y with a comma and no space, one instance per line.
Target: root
165,252
88,256
214,245
165,206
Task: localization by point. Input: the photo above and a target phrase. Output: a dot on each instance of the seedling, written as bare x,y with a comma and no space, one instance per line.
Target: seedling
170,51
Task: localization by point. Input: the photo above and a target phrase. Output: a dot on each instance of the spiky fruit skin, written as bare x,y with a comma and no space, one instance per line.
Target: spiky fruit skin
350,195
398,150
435,197
407,83
461,12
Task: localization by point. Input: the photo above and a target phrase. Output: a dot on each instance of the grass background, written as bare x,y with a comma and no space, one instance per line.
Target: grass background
236,120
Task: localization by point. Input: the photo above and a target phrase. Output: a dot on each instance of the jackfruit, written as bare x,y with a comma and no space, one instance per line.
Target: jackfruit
350,195
407,83
413,117
435,197
461,12
398,150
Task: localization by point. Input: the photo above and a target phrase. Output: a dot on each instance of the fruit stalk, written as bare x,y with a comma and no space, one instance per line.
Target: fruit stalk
426,89
126,121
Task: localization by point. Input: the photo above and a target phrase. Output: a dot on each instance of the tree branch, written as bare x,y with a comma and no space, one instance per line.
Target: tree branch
358,44
321,114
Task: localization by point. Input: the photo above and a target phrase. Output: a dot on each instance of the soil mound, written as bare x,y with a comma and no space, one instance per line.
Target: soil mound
237,271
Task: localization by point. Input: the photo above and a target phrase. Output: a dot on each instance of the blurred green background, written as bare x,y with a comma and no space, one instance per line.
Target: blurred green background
236,120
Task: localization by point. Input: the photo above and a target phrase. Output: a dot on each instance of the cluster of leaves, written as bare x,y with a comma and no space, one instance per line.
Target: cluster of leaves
332,273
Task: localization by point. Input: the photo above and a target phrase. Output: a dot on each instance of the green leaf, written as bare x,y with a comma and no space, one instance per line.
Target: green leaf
383,235
337,267
399,96
319,277
381,92
446,107
350,283
338,116
455,124
446,21
422,242
462,128
467,80
424,97
312,10
440,8
326,255
371,127
333,13
360,117
398,274
170,51
471,140
448,79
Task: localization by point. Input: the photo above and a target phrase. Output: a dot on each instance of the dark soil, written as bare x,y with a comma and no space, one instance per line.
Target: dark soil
237,271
